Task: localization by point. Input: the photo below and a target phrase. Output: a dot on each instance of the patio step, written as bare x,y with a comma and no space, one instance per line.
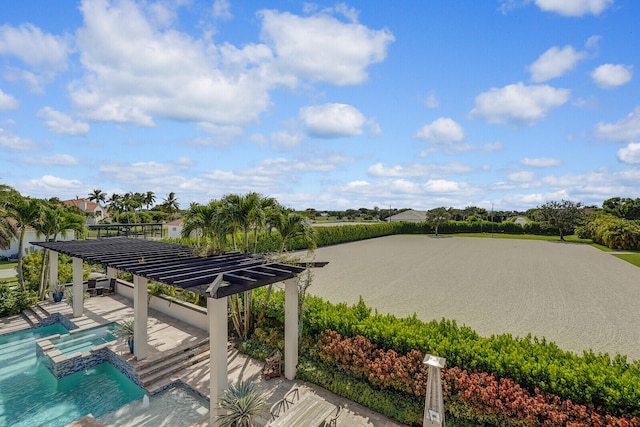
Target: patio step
41,311
30,316
155,370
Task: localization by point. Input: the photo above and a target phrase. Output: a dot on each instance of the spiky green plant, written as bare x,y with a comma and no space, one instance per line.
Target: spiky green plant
241,402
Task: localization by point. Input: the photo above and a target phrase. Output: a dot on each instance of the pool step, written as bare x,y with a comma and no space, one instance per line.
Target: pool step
30,316
41,311
155,370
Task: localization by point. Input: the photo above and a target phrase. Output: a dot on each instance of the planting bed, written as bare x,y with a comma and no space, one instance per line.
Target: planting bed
572,294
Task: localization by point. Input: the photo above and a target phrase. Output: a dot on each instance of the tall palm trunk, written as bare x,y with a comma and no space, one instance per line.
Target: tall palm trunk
20,251
42,294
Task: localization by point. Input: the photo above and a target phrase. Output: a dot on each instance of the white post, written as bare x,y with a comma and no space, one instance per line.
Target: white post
290,328
53,268
78,288
434,402
218,335
140,317
111,272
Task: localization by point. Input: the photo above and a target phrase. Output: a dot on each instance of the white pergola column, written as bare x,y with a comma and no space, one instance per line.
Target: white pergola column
53,269
218,335
111,273
290,328
78,288
140,317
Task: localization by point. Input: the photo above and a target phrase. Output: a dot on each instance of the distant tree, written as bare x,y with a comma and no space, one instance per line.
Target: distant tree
561,216
170,204
437,217
7,230
623,208
98,196
149,199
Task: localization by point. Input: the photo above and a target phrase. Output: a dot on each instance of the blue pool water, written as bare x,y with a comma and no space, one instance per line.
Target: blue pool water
82,341
31,396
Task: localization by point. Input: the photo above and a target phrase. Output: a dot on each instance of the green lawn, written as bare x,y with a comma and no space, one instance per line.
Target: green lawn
630,258
488,235
7,264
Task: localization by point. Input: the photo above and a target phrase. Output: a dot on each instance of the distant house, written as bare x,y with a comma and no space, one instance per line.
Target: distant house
410,215
174,228
96,212
30,235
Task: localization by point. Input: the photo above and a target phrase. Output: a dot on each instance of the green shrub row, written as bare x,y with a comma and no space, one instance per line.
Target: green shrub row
611,231
399,406
610,383
13,301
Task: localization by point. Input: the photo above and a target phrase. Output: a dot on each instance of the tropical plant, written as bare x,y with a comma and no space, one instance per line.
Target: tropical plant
124,328
7,230
292,225
97,196
240,403
26,212
149,199
437,217
170,204
561,216
55,221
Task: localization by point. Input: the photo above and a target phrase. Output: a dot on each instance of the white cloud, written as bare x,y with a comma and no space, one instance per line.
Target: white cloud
518,103
286,139
444,130
58,122
630,154
554,63
611,75
374,128
47,185
431,101
167,73
7,102
522,176
574,7
541,162
12,142
418,170
332,120
222,10
625,129
55,160
492,146
322,48
45,53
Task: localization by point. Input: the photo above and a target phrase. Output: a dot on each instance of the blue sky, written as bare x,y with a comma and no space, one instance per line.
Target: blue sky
417,104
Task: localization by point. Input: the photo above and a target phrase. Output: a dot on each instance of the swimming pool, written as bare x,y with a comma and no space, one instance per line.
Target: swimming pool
80,341
31,396
176,406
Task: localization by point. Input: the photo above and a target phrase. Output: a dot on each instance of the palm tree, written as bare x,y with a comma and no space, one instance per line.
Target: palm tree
97,196
149,199
26,212
115,205
170,204
291,225
54,221
7,230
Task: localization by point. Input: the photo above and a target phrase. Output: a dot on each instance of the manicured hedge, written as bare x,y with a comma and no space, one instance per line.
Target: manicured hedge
610,383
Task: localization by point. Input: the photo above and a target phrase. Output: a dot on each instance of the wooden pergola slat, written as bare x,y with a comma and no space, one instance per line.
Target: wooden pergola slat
176,265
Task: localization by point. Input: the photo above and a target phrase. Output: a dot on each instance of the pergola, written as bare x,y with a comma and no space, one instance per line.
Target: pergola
216,277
